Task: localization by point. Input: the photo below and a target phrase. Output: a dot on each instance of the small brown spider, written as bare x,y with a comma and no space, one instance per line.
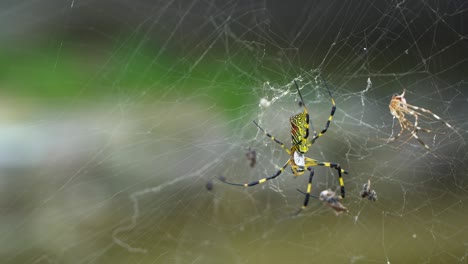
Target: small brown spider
400,110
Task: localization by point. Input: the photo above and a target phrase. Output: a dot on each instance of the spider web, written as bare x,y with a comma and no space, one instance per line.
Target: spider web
123,170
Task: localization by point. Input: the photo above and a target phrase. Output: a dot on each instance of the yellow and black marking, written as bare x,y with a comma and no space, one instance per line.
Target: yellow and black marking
312,163
309,188
332,113
280,170
300,125
272,138
338,168
300,131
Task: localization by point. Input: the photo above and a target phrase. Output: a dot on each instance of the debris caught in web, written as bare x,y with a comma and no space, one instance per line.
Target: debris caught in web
367,192
330,199
209,185
251,157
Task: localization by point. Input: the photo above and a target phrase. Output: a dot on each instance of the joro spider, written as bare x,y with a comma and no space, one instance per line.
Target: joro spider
300,145
399,109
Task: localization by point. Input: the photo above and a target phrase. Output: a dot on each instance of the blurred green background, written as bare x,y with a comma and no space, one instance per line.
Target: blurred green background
115,116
